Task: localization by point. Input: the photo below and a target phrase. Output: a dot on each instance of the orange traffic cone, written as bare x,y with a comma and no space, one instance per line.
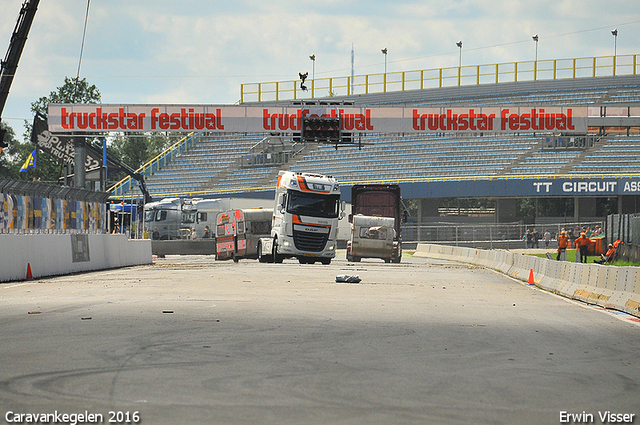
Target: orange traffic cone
531,281
29,274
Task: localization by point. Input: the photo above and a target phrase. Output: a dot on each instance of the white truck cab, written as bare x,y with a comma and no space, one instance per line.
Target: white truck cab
306,211
165,217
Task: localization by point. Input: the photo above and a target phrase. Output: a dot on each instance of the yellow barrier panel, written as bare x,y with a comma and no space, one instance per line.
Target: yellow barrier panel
549,69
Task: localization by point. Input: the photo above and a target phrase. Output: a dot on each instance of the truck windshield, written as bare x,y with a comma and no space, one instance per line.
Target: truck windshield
188,217
149,215
314,205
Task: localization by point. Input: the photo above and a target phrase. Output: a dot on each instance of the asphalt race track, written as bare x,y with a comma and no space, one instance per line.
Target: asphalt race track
192,341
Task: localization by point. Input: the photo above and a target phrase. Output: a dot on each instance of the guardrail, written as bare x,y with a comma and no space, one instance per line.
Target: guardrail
549,69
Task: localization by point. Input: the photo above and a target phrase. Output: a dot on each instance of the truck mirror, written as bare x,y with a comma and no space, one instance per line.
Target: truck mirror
350,218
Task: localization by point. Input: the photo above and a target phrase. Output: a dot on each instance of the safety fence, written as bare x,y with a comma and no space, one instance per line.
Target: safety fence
549,69
625,227
606,286
28,207
456,234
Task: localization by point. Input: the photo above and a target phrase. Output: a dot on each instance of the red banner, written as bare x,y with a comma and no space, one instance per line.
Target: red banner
68,118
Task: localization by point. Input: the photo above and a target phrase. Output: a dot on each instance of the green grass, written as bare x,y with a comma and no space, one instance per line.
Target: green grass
621,263
571,257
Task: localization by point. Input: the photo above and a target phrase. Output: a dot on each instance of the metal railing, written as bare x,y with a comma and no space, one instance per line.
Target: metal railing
270,151
459,233
549,69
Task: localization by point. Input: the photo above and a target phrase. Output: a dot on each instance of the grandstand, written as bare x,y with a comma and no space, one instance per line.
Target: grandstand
218,164
209,157
500,166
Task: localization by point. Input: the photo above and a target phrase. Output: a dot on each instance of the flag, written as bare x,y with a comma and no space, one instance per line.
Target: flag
30,162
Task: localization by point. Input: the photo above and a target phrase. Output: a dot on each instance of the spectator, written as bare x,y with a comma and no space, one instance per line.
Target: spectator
582,246
571,233
536,238
608,257
155,235
207,233
547,238
563,243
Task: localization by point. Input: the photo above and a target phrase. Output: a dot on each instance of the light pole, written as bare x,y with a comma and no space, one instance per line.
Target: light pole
459,44
535,64
614,32
313,59
313,75
384,52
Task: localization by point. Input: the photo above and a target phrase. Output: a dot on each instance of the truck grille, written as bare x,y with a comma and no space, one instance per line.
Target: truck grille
307,241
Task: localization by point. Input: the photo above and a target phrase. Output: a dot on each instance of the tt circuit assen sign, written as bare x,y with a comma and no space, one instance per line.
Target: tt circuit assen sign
518,187
67,118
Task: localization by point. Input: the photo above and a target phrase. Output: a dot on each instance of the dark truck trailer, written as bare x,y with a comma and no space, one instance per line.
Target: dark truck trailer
380,200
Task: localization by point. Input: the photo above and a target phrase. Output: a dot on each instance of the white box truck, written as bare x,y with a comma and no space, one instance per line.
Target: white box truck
371,237
306,211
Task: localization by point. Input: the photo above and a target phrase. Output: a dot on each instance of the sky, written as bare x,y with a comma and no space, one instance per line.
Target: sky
201,51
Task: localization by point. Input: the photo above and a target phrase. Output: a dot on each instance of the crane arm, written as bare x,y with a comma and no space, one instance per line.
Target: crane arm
18,39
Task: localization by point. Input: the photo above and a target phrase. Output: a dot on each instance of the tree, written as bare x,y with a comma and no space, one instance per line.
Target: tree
133,150
136,149
74,90
6,163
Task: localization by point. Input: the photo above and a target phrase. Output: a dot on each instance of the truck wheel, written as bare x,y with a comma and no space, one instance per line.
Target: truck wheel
356,259
387,260
326,261
277,258
396,260
261,257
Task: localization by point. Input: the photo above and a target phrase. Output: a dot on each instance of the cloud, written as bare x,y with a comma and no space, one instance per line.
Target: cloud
196,51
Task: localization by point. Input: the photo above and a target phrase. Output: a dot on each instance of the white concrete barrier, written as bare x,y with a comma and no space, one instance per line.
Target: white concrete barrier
58,254
507,261
607,286
626,293
551,277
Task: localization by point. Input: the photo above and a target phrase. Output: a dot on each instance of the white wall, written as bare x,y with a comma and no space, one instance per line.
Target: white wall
52,254
607,286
